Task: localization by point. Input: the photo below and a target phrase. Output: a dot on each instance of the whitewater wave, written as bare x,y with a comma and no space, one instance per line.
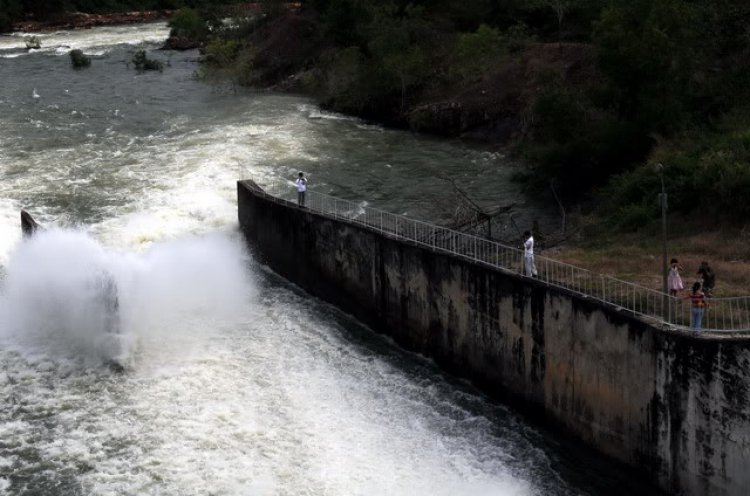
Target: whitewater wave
55,284
96,41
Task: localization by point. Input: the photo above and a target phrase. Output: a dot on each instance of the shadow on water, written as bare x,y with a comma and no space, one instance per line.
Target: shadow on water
557,465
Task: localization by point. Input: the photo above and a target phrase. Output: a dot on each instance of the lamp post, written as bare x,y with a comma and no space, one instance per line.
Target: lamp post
663,204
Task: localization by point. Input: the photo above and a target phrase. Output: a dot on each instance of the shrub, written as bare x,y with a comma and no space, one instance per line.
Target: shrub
33,42
79,59
559,115
143,63
9,10
703,172
343,74
229,59
188,24
518,37
343,21
476,52
634,217
222,53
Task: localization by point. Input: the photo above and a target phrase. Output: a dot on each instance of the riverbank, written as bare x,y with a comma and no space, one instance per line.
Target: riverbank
506,108
78,21
495,107
586,115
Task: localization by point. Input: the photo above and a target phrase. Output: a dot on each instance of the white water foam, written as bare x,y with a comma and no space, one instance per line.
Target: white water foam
56,281
96,41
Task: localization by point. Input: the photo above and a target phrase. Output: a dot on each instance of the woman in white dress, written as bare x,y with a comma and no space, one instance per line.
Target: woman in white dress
674,281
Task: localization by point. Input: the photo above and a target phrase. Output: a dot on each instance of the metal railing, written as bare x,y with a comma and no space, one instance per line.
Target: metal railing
722,314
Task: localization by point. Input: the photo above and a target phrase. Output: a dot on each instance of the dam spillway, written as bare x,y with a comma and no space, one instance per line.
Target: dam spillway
237,382
670,404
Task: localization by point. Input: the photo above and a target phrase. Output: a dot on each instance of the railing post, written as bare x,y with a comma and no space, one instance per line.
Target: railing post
613,291
669,311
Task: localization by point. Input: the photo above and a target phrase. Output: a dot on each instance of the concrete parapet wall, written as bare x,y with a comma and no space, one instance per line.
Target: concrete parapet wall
675,407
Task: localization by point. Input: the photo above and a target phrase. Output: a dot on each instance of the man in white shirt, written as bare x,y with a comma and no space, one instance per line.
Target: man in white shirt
528,255
301,188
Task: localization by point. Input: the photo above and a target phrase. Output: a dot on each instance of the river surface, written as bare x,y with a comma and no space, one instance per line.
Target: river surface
236,382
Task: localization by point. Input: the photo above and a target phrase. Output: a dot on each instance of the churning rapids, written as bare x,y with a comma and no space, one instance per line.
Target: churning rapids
235,381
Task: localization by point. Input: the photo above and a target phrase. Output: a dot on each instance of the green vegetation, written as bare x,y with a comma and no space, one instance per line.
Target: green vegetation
189,24
34,42
599,89
9,11
12,10
476,52
143,63
79,59
588,92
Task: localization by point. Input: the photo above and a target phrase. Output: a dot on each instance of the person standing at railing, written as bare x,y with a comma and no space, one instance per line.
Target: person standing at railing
301,183
674,281
528,255
709,278
699,303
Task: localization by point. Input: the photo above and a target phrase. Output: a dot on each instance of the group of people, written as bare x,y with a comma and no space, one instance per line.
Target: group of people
699,293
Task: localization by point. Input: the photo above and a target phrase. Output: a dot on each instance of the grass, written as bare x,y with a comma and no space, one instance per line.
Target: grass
638,258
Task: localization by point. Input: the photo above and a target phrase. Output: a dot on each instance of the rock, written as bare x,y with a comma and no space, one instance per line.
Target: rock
28,224
181,43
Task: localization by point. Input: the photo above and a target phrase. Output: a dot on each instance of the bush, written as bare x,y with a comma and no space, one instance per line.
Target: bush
634,217
9,10
518,37
143,63
343,21
705,172
188,23
229,60
559,116
79,59
33,42
475,53
222,53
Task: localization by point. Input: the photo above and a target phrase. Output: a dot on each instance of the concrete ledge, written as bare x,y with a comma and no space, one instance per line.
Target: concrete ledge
674,407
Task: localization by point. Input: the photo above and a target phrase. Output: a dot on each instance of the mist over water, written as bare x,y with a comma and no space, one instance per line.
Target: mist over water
236,382
57,284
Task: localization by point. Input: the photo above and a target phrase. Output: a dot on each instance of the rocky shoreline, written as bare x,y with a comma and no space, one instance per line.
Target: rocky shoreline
87,21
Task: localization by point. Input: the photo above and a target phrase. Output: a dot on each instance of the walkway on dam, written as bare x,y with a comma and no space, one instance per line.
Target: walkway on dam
725,315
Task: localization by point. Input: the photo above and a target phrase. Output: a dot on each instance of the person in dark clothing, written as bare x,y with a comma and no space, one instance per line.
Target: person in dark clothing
709,278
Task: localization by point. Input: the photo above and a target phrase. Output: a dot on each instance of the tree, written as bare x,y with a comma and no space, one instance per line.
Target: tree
649,50
45,9
408,67
392,45
560,7
188,23
9,11
476,52
143,63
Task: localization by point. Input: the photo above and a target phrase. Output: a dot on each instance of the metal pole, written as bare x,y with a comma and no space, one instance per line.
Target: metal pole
663,203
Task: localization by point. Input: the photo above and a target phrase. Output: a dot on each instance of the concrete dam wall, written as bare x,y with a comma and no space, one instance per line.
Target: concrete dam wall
674,406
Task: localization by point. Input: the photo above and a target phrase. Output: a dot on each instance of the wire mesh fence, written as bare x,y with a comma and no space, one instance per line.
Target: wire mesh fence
719,314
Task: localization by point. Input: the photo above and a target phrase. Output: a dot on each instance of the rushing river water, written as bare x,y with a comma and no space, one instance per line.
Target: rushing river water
235,381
